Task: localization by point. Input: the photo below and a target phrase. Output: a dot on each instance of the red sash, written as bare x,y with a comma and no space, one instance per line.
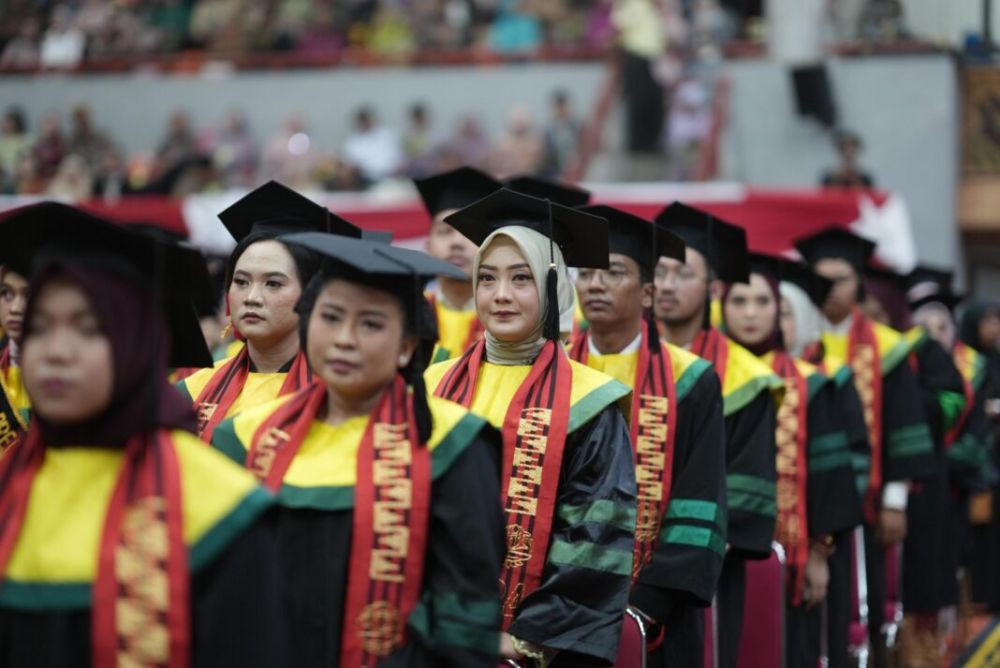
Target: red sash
964,362
141,606
653,430
866,365
391,513
791,435
710,344
475,330
221,392
534,436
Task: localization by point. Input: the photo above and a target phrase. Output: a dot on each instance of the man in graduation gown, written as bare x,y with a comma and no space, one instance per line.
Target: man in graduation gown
678,437
902,448
452,299
750,392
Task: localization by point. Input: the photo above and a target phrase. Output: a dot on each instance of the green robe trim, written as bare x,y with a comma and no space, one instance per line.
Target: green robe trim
690,376
593,403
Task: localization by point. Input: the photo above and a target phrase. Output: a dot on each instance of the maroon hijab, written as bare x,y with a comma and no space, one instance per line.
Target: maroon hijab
142,400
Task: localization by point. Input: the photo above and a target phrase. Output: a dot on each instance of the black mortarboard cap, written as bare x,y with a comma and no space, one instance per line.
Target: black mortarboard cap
926,284
176,274
455,189
582,237
815,286
277,209
723,244
558,192
635,237
839,243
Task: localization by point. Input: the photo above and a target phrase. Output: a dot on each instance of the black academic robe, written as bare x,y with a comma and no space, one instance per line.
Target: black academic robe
930,557
457,620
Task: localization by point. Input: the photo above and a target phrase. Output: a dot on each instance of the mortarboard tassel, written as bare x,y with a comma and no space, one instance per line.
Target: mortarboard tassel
551,329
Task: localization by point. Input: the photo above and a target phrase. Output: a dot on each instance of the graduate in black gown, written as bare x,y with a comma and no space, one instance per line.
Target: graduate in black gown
123,539
568,475
751,393
388,522
902,448
816,496
682,518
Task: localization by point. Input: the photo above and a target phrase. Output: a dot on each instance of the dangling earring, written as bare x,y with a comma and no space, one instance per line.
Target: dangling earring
226,331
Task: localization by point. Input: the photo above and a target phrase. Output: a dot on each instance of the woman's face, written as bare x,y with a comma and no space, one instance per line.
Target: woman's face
263,294
66,357
507,298
13,300
938,323
989,329
356,342
750,311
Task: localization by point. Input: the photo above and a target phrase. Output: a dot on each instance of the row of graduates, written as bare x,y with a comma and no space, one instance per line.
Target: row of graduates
381,540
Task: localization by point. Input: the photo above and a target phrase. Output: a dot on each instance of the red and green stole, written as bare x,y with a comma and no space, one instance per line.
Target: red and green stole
964,358
791,434
140,614
12,425
534,436
475,331
710,344
653,430
221,392
866,364
391,513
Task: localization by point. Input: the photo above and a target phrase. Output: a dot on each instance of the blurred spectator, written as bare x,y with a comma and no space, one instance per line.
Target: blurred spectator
73,179
642,39
521,150
233,151
228,25
50,147
515,30
290,156
177,145
15,143
689,125
169,20
373,149
64,43
418,142
562,135
881,21
391,33
469,145
848,174
27,179
87,142
22,51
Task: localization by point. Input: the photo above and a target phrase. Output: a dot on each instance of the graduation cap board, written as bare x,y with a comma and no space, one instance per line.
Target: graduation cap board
927,284
784,270
637,238
455,189
49,230
277,209
560,193
723,244
582,237
837,243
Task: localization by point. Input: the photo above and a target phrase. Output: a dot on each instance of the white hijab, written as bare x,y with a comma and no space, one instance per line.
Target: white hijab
808,319
534,248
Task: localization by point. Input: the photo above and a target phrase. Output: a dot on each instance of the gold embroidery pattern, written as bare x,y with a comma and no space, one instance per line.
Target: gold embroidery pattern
143,587
788,530
650,462
529,453
266,451
393,500
205,412
862,365
519,544
7,433
380,628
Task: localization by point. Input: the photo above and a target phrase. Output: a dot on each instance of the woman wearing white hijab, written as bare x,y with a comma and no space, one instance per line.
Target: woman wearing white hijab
567,473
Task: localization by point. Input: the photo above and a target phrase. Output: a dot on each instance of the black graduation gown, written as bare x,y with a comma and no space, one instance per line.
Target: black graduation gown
243,578
681,580
930,557
578,608
832,508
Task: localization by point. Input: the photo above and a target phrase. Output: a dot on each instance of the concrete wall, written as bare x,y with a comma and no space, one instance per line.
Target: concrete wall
905,108
135,108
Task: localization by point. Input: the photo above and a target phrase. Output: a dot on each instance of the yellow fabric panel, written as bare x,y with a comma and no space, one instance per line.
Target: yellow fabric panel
259,389
16,392
835,345
328,455
64,520
453,328
715,313
503,382
621,366
743,367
